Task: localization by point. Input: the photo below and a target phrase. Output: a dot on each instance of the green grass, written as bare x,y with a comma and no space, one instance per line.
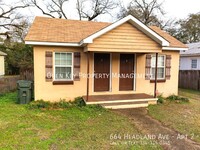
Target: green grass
190,93
71,128
183,117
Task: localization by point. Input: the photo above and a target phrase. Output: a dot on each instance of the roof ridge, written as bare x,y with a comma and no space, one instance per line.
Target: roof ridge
71,19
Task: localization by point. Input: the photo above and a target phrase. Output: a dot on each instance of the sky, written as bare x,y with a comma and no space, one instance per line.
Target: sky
178,9
175,9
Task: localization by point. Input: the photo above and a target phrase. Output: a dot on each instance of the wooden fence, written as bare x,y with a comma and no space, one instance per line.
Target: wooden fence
189,79
8,83
27,75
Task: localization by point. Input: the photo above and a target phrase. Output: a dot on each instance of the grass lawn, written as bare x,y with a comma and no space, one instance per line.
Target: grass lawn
183,117
73,128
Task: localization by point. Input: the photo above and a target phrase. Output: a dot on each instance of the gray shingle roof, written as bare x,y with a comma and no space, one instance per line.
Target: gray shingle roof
194,49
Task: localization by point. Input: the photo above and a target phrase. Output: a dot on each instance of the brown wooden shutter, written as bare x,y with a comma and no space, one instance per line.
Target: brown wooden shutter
48,66
77,65
168,67
148,67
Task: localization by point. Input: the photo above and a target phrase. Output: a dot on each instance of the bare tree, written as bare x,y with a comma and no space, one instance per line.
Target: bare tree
9,20
144,10
85,9
53,8
18,34
97,8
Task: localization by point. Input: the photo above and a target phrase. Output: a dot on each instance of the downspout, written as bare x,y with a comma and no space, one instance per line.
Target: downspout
156,70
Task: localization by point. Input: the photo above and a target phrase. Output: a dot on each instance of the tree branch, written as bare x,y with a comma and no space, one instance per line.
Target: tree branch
45,13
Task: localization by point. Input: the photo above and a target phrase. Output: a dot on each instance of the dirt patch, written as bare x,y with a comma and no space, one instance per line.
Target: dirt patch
168,138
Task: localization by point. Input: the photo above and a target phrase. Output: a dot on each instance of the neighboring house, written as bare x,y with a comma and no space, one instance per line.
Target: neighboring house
2,64
120,59
190,60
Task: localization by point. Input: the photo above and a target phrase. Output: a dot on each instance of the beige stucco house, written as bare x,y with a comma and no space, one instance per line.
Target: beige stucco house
2,63
113,64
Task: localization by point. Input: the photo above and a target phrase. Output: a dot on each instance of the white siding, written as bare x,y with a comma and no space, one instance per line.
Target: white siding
185,63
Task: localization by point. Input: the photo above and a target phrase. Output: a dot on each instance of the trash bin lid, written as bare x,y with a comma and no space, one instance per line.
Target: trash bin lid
24,83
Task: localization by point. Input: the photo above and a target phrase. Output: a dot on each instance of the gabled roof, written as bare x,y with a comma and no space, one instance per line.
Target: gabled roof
194,50
2,53
135,22
61,32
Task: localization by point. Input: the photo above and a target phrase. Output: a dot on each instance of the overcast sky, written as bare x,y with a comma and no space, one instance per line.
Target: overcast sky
178,9
181,8
175,9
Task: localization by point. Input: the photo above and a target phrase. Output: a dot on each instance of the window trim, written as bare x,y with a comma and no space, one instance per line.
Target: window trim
196,63
54,67
164,66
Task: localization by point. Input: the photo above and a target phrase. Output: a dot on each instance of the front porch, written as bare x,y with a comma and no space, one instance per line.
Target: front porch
120,101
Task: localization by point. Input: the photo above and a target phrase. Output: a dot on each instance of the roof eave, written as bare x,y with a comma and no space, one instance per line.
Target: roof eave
175,48
190,55
37,43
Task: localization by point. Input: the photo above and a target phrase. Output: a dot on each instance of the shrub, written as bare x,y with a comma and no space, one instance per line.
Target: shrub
184,99
160,99
61,104
177,98
78,101
172,97
39,104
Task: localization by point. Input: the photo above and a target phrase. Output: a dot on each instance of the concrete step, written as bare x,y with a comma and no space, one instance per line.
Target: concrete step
124,105
121,101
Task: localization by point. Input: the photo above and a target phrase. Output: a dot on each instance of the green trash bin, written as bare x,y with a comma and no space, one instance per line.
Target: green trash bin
24,91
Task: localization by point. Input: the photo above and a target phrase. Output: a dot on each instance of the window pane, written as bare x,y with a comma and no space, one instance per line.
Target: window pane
160,73
57,58
63,59
63,73
63,56
194,63
161,61
153,73
63,62
69,59
153,61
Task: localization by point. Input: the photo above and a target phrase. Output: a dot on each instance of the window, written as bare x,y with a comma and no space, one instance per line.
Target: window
63,67
194,64
161,67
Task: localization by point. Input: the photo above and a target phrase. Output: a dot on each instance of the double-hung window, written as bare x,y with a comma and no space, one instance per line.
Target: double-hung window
161,67
194,64
63,66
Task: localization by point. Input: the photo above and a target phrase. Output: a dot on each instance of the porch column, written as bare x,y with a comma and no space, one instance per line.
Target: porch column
88,71
156,70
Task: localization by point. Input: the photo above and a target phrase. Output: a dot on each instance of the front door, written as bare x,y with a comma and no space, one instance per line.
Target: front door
101,72
126,72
